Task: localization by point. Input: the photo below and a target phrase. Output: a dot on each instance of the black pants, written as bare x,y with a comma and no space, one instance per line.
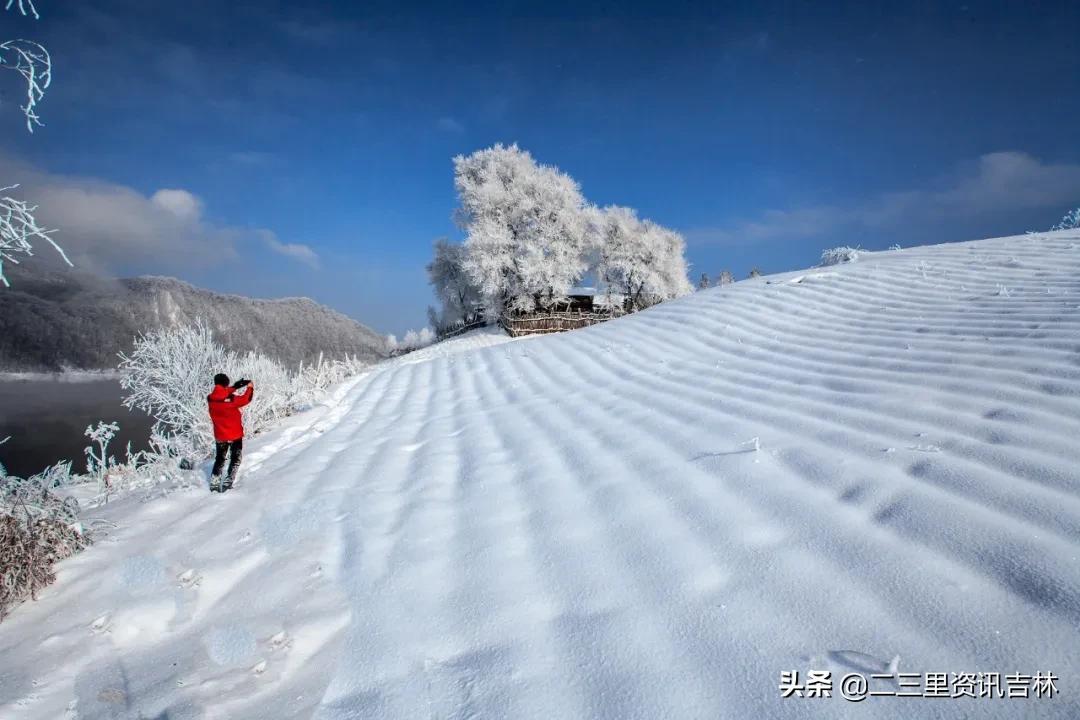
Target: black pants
235,450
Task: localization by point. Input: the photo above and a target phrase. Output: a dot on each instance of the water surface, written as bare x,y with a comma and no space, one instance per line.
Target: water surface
46,417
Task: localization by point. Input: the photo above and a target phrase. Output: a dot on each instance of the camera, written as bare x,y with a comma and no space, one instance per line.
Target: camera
240,383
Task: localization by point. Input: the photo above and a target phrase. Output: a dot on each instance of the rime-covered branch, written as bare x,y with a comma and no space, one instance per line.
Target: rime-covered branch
1071,221
32,61
23,6
19,230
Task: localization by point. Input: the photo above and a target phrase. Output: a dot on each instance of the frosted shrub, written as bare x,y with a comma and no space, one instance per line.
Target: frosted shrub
315,379
277,390
1071,221
167,376
416,339
97,462
37,529
838,255
28,552
413,340
55,476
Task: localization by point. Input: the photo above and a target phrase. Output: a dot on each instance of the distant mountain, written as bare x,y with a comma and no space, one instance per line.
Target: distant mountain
68,320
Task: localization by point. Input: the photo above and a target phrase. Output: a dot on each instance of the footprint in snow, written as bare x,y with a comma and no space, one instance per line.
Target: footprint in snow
280,641
847,661
101,625
189,579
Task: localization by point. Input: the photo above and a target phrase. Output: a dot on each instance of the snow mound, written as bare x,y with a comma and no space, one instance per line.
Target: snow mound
873,469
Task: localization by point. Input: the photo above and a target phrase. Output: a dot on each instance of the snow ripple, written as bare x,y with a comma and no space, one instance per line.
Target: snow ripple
875,467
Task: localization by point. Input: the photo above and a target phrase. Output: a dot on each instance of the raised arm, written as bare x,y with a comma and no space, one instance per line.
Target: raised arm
242,400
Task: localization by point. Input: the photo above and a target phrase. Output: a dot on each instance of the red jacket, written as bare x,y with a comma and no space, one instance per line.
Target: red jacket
225,407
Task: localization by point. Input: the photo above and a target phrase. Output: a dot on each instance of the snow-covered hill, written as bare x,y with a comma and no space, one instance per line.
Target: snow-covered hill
580,526
53,321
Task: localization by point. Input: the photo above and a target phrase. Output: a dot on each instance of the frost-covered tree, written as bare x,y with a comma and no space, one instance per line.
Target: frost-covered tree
754,272
640,259
674,272
527,229
19,230
703,282
725,278
459,295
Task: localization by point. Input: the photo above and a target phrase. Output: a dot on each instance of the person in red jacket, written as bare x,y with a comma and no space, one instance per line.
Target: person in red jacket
225,402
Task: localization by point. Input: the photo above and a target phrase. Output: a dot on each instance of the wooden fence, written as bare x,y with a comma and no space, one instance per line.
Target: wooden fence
552,322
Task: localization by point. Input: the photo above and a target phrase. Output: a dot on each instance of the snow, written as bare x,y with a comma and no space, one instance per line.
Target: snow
871,469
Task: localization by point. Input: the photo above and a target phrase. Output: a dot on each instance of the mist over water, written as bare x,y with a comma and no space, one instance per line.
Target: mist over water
47,416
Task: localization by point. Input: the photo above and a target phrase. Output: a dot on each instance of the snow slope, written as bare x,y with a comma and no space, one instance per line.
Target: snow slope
579,526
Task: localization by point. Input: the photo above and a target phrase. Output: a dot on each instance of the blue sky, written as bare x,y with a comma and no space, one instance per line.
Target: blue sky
306,147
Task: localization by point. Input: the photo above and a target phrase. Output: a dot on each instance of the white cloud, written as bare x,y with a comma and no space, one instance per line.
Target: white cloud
180,203
296,251
995,185
450,125
108,227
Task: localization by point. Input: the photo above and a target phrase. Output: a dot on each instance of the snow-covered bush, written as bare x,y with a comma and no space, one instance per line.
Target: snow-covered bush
277,390
413,340
37,528
1071,221
725,278
169,373
97,459
28,552
314,379
527,229
838,255
167,376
